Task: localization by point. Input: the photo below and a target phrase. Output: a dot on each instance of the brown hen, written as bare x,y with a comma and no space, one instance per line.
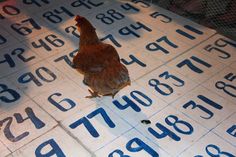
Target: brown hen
98,62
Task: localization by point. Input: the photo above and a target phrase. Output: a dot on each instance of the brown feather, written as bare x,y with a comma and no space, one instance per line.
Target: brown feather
99,62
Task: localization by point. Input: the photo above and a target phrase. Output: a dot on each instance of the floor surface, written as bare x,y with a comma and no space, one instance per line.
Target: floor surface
181,102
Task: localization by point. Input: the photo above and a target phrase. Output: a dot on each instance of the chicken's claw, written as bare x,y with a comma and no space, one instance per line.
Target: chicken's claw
93,94
112,94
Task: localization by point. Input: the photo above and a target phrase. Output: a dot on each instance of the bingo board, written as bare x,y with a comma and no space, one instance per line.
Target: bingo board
183,83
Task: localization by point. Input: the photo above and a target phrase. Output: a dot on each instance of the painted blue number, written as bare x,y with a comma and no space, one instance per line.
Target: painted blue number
153,46
2,40
51,39
112,39
180,126
166,19
140,145
53,16
89,4
157,85
23,30
143,4
19,119
36,2
128,6
227,88
68,101
55,149
67,59
194,68
214,151
232,131
203,108
129,103
85,121
133,60
112,16
28,77
14,96
135,145
128,31
187,35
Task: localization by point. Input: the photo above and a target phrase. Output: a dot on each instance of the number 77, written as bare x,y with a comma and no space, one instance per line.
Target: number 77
85,121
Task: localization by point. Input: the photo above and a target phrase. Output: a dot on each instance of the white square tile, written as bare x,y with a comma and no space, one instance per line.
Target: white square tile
49,43
159,39
157,20
233,65
115,39
6,39
144,6
167,84
109,18
15,58
69,32
13,19
205,107
11,96
132,144
97,125
32,8
196,66
138,62
37,79
26,27
191,33
63,62
3,150
220,48
172,131
227,129
56,15
197,32
211,144
160,19
224,84
56,141
132,33
171,23
24,123
129,8
11,9
64,101
165,47
87,7
134,104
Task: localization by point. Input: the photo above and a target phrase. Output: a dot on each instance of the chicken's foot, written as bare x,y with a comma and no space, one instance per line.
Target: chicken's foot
93,94
112,94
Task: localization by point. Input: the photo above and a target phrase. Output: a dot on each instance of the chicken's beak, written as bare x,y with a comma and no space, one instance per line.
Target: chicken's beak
78,19
77,24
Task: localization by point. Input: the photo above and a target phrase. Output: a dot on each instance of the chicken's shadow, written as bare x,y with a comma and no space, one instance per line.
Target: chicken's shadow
24,22
123,114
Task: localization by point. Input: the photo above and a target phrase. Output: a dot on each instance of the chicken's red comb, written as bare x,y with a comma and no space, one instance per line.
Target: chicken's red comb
77,18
